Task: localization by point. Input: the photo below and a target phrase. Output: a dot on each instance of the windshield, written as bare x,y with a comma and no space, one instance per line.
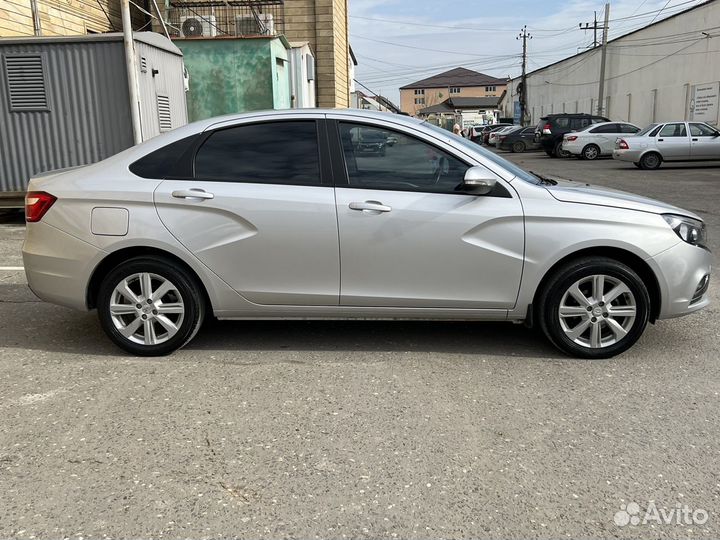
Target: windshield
487,154
647,130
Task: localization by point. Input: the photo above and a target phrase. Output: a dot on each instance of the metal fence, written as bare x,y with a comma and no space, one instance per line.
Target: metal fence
221,18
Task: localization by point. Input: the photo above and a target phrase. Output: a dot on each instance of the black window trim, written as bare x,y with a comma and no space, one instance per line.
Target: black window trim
342,178
321,134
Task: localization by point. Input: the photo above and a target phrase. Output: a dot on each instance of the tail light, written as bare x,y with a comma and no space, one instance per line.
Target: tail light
37,203
571,138
623,145
547,129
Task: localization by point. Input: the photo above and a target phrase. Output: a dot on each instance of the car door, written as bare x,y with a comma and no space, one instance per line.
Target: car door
704,141
673,142
258,213
409,239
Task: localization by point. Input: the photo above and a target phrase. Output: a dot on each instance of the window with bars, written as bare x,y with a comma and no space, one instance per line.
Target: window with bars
25,79
454,90
420,92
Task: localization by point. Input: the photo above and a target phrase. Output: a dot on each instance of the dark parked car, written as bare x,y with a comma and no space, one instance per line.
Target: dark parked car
519,141
549,132
370,142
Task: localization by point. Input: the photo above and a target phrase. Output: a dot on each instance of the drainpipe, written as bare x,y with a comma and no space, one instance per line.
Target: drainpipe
37,29
132,71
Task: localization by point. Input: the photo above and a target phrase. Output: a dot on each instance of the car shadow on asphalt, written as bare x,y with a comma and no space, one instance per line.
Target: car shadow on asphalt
27,323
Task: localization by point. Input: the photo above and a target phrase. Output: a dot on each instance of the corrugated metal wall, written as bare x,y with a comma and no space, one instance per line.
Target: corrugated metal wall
88,117
168,81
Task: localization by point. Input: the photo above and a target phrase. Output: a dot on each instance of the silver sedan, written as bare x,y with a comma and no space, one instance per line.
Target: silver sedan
673,141
277,215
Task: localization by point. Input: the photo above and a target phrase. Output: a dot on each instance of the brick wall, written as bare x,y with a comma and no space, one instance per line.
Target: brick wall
433,96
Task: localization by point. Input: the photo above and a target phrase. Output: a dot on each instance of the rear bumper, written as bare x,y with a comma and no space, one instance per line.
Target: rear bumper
58,266
572,147
681,271
627,155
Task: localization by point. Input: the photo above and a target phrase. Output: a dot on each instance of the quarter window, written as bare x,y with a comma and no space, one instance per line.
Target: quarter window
272,153
673,130
381,159
628,128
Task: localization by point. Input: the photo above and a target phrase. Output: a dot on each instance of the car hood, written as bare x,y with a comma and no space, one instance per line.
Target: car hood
578,192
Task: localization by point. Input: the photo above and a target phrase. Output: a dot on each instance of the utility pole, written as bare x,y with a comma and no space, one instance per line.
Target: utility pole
131,68
523,89
595,27
603,57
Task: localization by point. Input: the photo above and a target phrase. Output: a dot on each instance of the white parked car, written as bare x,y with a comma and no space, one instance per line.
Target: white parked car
597,140
494,135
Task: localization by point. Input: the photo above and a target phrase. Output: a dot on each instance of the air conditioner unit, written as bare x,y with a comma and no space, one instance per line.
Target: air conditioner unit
198,26
251,25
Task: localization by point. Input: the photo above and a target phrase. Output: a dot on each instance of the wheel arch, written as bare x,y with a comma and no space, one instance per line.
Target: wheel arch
637,264
113,259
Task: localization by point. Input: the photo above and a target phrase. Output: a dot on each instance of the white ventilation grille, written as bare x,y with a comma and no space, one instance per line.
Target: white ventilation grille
25,76
164,116
143,64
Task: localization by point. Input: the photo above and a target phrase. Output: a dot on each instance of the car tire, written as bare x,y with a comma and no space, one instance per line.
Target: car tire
584,323
559,152
155,328
518,147
591,152
650,161
550,153
637,164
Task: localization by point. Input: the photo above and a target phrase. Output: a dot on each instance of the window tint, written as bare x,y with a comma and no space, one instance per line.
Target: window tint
562,122
701,130
628,128
528,130
607,128
673,130
274,152
655,131
165,161
407,165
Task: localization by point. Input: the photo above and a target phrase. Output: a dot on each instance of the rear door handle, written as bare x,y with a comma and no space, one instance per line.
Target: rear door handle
695,140
661,140
370,207
192,193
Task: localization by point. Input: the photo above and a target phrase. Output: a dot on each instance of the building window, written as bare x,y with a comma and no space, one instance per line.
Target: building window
420,101
490,88
454,90
420,92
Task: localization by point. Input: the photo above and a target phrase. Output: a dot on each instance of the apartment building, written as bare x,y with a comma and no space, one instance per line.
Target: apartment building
456,83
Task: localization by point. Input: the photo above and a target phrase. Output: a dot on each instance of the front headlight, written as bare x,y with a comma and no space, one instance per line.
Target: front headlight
690,230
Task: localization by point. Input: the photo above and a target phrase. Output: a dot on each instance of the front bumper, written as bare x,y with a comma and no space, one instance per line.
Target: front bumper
58,266
681,271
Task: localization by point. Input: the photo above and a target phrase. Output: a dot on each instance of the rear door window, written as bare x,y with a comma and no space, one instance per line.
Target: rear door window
628,128
673,130
270,153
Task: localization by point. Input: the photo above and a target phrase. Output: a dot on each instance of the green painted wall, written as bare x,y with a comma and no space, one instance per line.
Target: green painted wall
280,65
234,75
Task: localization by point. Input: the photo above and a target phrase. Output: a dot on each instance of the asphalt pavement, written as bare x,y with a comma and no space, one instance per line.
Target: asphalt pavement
362,429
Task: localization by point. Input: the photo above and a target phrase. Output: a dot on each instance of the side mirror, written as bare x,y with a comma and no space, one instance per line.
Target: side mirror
478,181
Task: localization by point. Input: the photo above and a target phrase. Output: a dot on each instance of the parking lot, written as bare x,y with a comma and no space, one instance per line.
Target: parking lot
360,429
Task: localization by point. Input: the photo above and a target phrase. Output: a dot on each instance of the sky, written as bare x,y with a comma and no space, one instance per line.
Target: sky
398,42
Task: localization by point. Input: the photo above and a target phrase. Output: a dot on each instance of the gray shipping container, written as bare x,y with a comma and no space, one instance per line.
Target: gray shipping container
64,101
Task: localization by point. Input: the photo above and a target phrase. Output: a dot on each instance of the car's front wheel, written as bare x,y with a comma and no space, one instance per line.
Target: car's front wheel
518,147
149,306
594,307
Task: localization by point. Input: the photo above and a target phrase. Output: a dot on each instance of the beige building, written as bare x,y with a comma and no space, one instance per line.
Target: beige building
62,17
456,83
324,25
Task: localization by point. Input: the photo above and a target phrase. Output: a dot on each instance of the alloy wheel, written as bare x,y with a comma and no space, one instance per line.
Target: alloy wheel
146,308
597,311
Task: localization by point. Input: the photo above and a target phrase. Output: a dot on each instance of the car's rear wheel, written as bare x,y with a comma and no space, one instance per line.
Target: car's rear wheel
650,161
150,307
637,164
591,151
550,153
518,147
594,307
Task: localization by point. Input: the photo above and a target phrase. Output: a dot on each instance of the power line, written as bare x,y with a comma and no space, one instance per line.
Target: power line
659,12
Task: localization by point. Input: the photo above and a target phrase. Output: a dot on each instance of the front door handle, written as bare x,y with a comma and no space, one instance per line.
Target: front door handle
661,140
694,140
192,193
370,207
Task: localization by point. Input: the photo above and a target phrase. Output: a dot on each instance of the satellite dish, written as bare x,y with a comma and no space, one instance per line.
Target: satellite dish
192,27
